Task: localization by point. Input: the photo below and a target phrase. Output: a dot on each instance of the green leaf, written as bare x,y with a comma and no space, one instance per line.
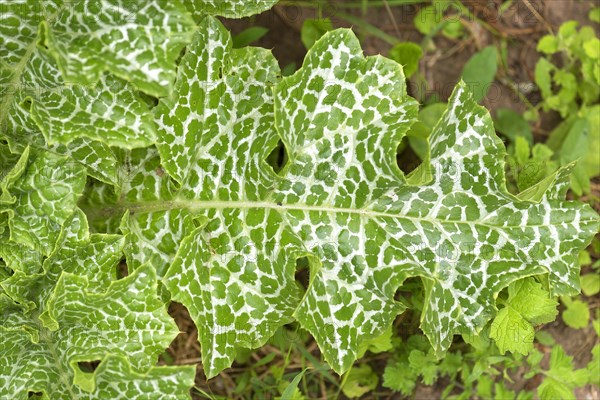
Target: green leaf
577,314
485,386
593,366
590,284
561,379
479,72
289,69
551,389
427,19
505,6
288,393
425,365
522,151
408,55
528,169
512,125
594,15
545,338
512,332
527,304
249,36
313,29
502,392
360,380
574,148
453,29
419,132
592,48
451,364
568,29
535,358
431,19
543,77
575,145
400,377
548,44
378,344
527,297
590,162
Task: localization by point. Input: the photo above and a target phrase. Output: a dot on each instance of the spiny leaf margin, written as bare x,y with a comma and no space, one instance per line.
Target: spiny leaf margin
325,201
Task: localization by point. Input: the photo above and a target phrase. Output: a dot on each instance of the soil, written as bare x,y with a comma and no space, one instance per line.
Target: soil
518,30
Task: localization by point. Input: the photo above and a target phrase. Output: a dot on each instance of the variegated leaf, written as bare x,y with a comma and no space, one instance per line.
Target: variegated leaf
341,201
109,112
228,8
125,327
55,85
101,253
45,196
116,380
34,77
136,40
151,237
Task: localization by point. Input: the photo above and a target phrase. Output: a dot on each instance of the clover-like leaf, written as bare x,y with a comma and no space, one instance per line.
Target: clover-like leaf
528,304
340,201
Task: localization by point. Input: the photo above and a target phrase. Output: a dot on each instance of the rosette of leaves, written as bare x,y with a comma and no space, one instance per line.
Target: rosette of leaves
62,304
76,80
71,70
205,213
75,76
340,201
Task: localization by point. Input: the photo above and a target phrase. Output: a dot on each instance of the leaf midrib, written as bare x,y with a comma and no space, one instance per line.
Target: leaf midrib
95,213
45,336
